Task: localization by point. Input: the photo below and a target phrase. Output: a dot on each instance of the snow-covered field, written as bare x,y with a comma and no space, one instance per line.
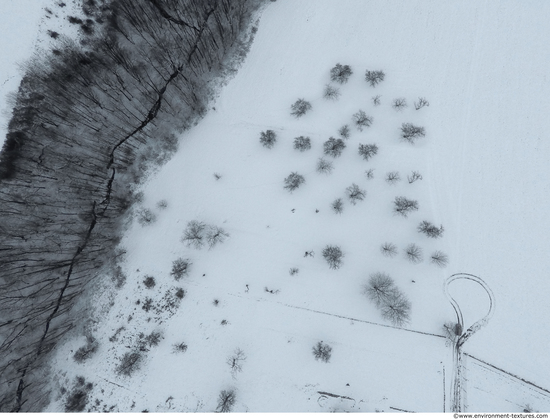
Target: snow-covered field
482,67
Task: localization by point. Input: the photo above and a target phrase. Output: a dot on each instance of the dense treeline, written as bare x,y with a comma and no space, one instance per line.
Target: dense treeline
88,118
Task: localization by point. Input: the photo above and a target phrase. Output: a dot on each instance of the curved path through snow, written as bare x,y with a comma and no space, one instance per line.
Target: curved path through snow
457,392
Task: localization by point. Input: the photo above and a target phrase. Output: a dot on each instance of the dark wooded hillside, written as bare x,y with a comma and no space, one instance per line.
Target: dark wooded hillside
88,120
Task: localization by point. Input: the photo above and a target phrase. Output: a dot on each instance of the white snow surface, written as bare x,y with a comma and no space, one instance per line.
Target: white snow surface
482,66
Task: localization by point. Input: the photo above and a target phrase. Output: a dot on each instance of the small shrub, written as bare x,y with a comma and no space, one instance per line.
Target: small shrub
411,132
180,293
392,177
376,100
355,194
162,204
322,352
86,351
440,259
404,206
362,120
413,253
179,348
366,151
334,147
147,304
452,332
194,234
388,249
130,362
373,77
333,256
430,230
332,93
399,104
324,166
344,131
268,138
215,235
337,206
180,268
300,107
146,217
226,401
76,401
302,143
235,361
216,302
217,176
293,271
415,176
293,181
149,282
340,73
369,173
422,102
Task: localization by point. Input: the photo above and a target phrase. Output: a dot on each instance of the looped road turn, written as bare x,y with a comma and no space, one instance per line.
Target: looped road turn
457,391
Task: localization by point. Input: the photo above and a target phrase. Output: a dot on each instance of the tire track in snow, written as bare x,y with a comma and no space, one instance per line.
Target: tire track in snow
457,396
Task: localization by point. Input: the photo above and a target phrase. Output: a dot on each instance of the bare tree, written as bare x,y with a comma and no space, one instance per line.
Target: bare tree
293,181
324,166
440,259
415,176
344,131
355,194
268,138
404,206
340,73
392,177
322,352
146,217
374,77
366,151
333,255
302,143
388,249
235,361
332,93
337,206
413,253
411,132
215,235
376,100
399,104
180,268
422,102
380,288
362,120
334,147
194,234
430,230
226,401
397,309
300,107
